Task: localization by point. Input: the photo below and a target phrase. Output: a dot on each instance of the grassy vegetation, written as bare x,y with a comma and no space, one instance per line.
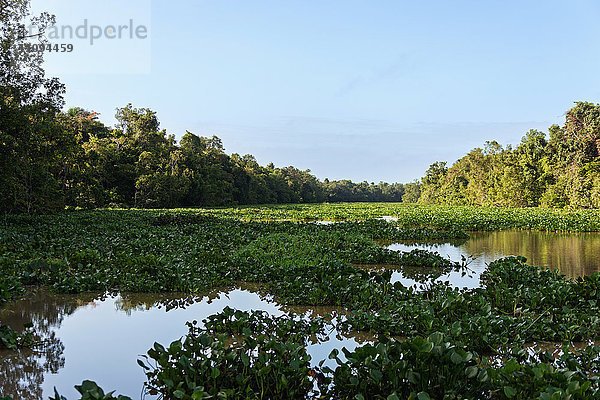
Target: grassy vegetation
469,218
152,251
449,333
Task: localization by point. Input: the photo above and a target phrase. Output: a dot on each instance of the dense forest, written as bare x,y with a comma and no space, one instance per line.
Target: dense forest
561,169
61,159
51,159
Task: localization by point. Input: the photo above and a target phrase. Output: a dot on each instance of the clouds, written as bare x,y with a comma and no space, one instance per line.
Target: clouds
399,67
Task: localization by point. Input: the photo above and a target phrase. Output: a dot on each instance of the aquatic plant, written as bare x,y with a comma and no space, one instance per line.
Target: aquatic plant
301,262
90,390
237,355
12,339
255,356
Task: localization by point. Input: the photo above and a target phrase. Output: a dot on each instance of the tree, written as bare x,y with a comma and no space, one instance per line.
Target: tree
32,142
432,181
582,131
412,192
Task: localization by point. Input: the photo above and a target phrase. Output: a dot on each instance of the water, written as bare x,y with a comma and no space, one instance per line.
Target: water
101,337
572,254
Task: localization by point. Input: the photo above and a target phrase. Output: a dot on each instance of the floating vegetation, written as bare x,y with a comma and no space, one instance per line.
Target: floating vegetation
449,334
252,356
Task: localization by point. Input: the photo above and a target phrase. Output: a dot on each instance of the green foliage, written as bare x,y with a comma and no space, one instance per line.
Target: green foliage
421,368
253,355
559,172
89,390
190,251
237,355
32,142
12,340
582,131
347,191
571,376
436,216
449,332
412,192
516,304
139,165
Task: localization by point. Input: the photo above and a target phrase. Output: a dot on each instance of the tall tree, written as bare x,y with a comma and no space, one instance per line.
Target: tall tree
32,143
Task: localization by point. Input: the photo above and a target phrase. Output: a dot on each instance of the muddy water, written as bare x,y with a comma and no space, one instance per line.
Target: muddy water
100,337
573,254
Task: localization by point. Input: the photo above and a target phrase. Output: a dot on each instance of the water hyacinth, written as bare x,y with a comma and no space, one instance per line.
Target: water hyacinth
470,335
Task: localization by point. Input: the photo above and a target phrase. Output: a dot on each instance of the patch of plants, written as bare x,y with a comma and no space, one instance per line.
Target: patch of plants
516,304
460,343
11,339
470,218
235,357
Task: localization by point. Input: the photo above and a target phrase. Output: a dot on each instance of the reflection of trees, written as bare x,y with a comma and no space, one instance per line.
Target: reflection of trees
429,243
573,254
417,274
23,371
360,337
130,302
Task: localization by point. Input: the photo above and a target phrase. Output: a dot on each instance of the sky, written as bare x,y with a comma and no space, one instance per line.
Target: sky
361,90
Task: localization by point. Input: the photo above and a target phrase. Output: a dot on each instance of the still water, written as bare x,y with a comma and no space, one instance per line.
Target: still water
572,254
101,337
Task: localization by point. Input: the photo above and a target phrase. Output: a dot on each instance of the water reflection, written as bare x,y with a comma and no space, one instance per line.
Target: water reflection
573,254
100,337
419,276
22,372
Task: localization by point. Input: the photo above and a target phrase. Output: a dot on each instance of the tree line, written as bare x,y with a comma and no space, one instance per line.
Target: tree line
50,159
137,164
558,169
77,161
53,159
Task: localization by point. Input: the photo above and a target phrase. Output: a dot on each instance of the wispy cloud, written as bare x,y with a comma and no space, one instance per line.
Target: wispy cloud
399,67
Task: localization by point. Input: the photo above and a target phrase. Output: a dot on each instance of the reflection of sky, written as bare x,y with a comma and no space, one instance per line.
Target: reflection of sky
455,253
573,254
103,342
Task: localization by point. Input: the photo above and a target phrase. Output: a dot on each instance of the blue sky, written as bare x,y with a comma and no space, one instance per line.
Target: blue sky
349,89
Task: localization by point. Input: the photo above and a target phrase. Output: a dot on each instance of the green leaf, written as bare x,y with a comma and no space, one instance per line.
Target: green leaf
141,364
295,365
456,358
245,359
510,392
471,371
376,374
423,396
